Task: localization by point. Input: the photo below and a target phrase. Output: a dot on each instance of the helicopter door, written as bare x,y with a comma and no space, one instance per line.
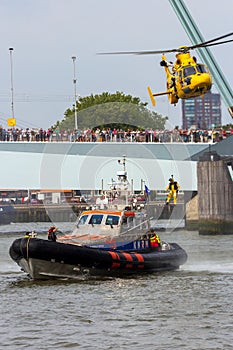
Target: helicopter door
180,76
188,72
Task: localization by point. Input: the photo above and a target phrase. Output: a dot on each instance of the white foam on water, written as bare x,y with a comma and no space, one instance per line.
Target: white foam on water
226,267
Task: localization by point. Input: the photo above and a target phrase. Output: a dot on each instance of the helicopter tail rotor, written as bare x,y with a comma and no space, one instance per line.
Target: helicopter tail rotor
151,96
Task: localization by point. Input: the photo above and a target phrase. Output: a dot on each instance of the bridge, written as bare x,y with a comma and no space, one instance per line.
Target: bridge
92,166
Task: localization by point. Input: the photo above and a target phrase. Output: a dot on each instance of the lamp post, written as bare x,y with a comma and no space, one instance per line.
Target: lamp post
12,89
75,95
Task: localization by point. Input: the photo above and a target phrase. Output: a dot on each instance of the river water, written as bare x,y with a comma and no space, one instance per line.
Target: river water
191,308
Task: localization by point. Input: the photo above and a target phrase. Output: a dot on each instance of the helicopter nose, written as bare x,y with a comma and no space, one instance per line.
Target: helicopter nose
203,81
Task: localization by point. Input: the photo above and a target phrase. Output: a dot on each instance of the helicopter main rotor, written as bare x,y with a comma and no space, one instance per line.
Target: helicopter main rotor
182,49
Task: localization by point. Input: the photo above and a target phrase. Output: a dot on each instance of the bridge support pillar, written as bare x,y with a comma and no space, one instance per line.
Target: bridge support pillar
215,194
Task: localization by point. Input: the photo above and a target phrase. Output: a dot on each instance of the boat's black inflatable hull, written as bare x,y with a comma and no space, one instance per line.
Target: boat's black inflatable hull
29,252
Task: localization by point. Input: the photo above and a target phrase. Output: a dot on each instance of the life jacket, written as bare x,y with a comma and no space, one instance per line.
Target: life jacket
158,239
155,241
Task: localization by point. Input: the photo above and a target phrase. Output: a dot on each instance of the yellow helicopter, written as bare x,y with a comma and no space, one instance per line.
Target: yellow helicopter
186,78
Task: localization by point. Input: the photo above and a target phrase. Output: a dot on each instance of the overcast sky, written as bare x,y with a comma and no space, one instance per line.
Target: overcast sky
45,34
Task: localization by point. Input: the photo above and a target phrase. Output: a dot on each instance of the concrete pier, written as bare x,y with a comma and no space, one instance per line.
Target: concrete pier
62,213
41,213
215,194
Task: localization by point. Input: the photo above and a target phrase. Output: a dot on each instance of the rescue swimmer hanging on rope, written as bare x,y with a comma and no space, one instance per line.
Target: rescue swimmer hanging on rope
173,188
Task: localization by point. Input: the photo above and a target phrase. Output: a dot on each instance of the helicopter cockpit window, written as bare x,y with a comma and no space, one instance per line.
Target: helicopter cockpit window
187,71
201,68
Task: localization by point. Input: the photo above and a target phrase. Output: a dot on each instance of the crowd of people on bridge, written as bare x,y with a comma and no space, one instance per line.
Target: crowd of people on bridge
112,135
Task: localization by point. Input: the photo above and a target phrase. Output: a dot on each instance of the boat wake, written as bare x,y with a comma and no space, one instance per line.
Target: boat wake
226,267
7,268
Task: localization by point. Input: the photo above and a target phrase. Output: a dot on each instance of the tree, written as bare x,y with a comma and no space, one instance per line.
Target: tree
111,109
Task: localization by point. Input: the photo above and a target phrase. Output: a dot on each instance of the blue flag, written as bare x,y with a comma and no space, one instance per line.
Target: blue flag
147,190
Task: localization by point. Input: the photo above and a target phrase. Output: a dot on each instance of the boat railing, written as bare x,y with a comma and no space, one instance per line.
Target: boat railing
134,228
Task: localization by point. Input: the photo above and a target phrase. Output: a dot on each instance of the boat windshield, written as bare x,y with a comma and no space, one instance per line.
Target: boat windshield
96,219
187,71
201,68
82,220
112,220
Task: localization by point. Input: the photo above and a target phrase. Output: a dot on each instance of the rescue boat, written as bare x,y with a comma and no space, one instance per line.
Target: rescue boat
111,239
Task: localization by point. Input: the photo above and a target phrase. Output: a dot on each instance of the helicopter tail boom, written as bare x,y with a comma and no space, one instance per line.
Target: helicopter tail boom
152,96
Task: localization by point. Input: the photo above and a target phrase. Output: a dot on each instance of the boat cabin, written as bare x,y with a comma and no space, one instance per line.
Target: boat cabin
98,225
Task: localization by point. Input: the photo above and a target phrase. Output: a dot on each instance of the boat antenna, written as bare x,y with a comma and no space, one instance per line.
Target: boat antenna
123,161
